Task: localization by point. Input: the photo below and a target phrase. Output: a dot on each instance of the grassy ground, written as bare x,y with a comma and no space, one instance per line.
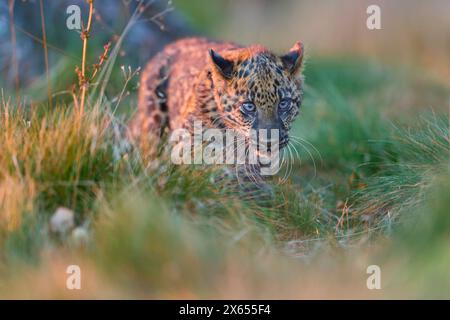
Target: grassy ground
369,186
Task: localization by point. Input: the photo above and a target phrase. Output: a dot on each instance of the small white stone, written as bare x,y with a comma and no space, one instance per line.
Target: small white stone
62,220
80,236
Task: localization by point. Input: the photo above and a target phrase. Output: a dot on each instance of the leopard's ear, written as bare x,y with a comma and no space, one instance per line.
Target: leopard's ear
224,66
292,61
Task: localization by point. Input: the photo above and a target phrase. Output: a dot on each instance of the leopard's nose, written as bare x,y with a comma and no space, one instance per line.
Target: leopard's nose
271,137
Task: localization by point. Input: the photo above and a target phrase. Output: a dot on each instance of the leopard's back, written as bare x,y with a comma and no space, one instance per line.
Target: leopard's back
167,83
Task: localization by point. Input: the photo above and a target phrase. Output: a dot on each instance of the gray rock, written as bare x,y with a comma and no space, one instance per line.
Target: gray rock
80,236
62,221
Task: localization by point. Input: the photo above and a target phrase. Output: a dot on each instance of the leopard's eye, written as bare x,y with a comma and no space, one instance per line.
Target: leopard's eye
284,104
248,107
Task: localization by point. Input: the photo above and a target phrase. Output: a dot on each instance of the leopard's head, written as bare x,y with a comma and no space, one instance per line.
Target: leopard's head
256,89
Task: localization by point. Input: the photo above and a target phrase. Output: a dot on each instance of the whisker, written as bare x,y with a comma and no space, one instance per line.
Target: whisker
309,144
309,153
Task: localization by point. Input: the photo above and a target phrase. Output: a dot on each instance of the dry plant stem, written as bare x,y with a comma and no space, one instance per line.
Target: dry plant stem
13,45
44,39
85,36
75,100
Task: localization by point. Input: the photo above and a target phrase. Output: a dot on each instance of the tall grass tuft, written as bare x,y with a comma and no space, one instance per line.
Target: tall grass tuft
417,158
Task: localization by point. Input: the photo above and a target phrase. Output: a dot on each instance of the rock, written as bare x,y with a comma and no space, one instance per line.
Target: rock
80,236
62,221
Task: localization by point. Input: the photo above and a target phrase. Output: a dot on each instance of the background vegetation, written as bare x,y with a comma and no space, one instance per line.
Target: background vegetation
369,184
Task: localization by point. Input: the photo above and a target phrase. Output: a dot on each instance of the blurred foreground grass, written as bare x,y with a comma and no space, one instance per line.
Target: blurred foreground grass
370,187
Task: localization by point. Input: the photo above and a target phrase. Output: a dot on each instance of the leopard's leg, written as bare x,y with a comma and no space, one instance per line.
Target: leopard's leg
247,182
253,183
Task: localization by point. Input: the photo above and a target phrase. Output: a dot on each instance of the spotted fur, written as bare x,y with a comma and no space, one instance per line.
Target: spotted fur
216,82
183,83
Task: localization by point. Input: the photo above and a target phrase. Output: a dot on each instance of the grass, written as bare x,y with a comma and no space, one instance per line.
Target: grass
159,230
368,181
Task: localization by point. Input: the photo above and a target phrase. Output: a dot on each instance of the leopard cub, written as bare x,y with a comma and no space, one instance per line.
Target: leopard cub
221,84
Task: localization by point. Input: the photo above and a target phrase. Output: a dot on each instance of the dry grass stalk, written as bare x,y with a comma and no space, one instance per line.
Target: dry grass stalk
44,44
12,29
85,36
